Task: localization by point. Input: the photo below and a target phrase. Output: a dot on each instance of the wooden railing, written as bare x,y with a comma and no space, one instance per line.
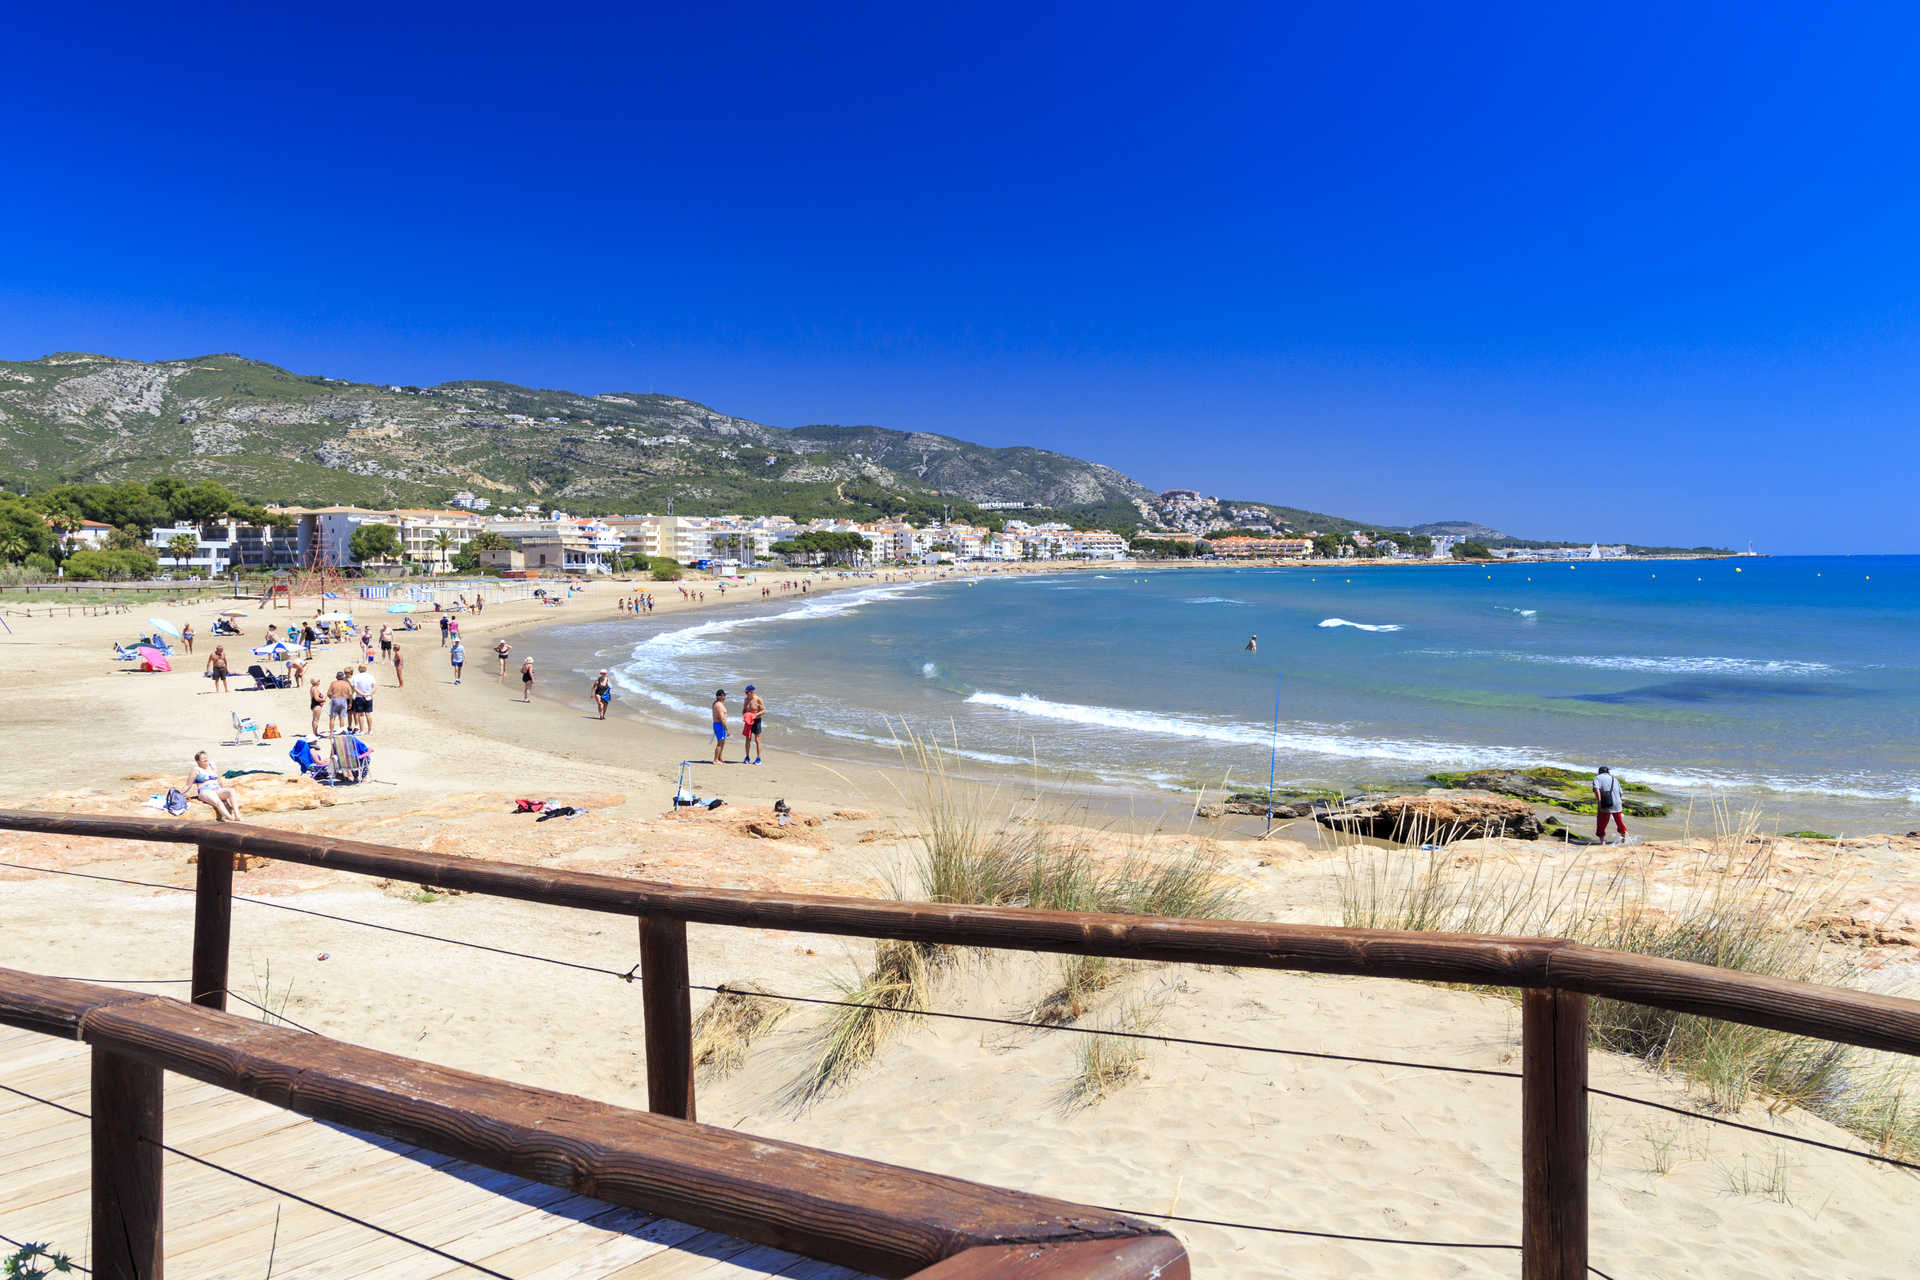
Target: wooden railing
1556,977
874,1217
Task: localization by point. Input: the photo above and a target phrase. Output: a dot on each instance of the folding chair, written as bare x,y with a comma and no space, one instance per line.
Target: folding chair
243,727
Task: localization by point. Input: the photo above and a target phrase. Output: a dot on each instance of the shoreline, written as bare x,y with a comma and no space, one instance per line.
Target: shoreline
1153,804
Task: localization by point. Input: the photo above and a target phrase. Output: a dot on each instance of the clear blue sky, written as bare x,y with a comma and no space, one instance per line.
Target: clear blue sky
1643,272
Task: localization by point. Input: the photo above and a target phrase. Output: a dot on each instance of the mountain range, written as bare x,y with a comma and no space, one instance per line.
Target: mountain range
276,435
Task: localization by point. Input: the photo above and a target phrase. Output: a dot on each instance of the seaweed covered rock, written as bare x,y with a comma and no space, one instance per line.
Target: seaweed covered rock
1437,817
1562,788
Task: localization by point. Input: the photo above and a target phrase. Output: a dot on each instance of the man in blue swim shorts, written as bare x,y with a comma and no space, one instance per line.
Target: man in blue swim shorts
719,723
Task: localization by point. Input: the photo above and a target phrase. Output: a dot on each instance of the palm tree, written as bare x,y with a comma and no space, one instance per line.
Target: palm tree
441,541
13,546
64,524
181,547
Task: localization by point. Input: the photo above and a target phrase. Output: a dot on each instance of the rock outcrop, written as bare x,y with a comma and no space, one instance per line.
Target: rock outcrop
1435,817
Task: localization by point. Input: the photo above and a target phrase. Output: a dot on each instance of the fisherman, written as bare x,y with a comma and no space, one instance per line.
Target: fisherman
1609,801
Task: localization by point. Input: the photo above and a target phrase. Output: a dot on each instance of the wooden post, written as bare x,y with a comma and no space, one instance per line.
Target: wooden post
126,1168
669,1013
212,926
1553,1134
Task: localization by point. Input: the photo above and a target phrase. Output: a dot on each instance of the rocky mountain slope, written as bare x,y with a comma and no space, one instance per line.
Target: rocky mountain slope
278,435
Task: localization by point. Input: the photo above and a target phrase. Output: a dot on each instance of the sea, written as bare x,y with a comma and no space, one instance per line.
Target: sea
1787,685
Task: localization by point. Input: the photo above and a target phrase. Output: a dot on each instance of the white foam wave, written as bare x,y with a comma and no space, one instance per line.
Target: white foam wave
1519,613
1362,626
1213,600
1673,663
1300,739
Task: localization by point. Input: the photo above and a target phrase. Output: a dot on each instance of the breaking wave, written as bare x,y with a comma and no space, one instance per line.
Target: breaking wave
1361,626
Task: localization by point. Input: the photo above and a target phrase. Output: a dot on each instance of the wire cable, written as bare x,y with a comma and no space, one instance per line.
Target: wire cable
22,1244
1125,1035
279,1191
1316,1235
1754,1128
629,975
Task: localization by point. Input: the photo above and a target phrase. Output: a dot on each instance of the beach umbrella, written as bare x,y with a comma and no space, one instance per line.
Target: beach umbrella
161,624
402,607
153,660
233,613
336,616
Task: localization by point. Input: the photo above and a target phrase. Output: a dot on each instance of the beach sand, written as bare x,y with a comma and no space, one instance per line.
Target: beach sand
1248,1137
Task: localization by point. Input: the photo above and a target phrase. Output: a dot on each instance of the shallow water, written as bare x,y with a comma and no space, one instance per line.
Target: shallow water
1791,683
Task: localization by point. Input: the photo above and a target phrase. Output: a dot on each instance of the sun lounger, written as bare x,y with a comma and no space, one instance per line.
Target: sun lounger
264,679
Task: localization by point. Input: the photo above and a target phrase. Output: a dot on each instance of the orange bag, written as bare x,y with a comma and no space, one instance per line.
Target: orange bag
271,731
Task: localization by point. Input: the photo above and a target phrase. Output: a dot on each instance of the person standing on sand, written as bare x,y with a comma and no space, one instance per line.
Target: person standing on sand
362,683
458,657
443,631
186,637
1609,801
386,643
399,680
602,692
526,680
719,724
319,701
502,651
339,698
753,715
217,667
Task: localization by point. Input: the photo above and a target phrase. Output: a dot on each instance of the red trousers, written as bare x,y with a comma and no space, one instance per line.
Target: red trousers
1600,826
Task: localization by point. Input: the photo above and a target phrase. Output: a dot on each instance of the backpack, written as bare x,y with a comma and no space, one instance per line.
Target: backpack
1609,793
176,801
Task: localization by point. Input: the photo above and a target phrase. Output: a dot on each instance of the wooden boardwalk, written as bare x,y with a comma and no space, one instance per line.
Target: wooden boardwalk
219,1227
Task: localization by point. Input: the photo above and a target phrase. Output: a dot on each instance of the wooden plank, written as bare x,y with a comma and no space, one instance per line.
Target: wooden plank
1144,1258
212,926
53,1006
668,1009
1382,953
126,1168
1802,1008
1553,1135
875,1217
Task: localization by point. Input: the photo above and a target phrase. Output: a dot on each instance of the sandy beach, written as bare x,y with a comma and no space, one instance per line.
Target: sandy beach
1238,1136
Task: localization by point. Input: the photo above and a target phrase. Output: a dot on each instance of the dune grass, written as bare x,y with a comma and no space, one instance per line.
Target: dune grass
739,1014
1728,908
978,847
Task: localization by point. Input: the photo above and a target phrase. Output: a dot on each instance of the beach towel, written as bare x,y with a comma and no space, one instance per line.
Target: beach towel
529,806
301,753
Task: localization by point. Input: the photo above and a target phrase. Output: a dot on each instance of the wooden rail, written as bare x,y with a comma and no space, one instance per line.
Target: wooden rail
1557,976
863,1214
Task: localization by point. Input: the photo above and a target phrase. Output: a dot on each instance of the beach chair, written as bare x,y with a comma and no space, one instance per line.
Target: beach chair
243,728
352,759
123,654
264,679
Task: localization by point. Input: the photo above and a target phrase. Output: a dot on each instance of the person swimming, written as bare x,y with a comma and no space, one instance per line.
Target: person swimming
1253,644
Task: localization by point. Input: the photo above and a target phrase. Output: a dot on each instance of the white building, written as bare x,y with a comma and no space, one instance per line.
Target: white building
221,546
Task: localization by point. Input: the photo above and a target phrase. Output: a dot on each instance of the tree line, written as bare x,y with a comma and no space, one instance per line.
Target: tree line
36,530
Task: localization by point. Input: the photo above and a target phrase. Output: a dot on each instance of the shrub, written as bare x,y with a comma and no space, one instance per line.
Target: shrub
666,569
98,566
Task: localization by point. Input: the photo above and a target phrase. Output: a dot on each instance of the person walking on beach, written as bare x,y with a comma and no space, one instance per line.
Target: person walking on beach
443,631
753,714
186,637
719,724
526,681
399,679
502,651
458,657
1608,802
386,643
602,692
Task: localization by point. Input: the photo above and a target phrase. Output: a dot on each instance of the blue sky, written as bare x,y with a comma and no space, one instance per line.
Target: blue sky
1640,272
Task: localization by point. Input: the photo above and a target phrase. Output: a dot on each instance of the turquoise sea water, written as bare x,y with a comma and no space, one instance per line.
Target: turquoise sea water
1793,683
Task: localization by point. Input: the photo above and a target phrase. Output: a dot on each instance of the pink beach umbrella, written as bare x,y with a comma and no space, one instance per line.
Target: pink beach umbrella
153,660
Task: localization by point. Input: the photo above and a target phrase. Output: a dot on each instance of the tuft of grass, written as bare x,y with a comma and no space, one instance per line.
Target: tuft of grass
739,1014
1810,835
1765,1178
1107,1064
971,847
1727,910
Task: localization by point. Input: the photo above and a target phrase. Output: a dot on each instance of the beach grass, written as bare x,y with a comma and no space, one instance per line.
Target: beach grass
739,1014
1728,909
981,848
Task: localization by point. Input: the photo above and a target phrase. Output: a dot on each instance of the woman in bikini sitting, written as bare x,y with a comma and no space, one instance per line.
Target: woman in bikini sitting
204,785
